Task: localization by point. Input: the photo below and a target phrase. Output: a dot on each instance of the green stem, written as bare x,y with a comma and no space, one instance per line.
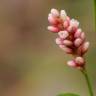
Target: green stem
88,82
95,13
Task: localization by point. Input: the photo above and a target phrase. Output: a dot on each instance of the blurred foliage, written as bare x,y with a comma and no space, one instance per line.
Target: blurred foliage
30,62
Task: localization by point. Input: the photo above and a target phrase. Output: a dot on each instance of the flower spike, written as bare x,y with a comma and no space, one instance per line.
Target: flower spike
71,38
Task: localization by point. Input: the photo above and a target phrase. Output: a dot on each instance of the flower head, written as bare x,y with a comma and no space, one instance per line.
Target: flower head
71,38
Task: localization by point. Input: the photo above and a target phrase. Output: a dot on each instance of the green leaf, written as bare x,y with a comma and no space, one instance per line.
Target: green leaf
68,94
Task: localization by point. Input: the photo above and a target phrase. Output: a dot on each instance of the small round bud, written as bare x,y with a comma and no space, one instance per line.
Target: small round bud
74,23
51,19
78,42
79,60
71,63
63,34
78,33
55,12
58,41
69,29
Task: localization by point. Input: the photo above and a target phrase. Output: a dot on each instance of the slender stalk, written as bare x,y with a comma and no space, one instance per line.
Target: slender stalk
95,13
88,82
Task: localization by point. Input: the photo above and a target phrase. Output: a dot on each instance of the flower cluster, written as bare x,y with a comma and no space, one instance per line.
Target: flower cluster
70,38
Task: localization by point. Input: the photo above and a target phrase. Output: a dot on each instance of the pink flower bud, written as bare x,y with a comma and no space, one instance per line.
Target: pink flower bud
53,29
78,42
78,33
55,12
85,47
74,23
63,34
79,51
66,24
79,60
59,41
66,49
68,18
63,15
67,43
71,63
51,19
82,36
69,29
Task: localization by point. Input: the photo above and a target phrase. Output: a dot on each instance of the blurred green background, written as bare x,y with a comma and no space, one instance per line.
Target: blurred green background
31,64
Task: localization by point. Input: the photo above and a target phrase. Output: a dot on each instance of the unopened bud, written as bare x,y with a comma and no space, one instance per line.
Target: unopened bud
85,47
55,12
63,34
51,19
71,63
79,60
67,42
69,29
68,18
78,42
58,41
74,23
63,15
66,49
53,29
78,33
66,24
82,36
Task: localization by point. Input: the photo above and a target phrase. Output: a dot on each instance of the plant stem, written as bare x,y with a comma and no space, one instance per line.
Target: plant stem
95,13
87,81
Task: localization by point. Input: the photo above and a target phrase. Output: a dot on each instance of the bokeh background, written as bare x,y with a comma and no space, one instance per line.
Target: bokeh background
31,64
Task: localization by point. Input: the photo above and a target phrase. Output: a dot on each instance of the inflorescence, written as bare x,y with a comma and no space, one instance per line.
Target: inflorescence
70,38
